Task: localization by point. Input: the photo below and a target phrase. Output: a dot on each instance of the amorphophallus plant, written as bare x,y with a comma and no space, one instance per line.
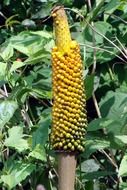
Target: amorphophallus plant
69,118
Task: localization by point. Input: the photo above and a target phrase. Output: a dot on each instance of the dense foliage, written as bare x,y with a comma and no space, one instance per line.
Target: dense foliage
26,38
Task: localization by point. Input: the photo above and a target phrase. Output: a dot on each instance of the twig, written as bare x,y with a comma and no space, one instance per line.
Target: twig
96,106
110,159
2,93
5,90
80,183
110,14
125,55
26,116
107,40
94,42
101,166
98,48
124,49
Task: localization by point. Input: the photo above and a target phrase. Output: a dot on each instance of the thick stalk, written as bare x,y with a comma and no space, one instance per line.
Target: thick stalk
66,170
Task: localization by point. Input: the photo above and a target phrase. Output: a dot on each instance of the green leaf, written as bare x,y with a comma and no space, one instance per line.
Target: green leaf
3,67
98,124
7,109
111,7
121,138
15,139
44,84
7,2
94,143
103,28
40,136
89,84
123,167
41,93
30,44
6,52
38,153
43,12
16,65
114,106
103,123
38,57
123,186
89,166
17,174
42,33
100,26
97,174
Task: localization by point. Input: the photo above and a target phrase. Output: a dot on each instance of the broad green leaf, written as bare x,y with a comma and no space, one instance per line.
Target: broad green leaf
89,166
38,57
111,7
40,136
38,153
41,93
97,174
103,28
103,123
16,65
123,186
15,139
89,84
17,174
6,52
7,109
123,167
94,143
29,43
45,72
43,12
44,84
43,34
114,106
3,67
121,138
103,56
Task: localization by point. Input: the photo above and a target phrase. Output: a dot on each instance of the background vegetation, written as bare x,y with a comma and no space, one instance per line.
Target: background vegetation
26,39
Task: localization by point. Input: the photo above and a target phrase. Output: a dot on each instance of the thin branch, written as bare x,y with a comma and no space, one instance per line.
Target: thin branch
94,42
80,183
2,93
110,159
96,106
125,55
112,15
107,40
124,49
5,90
3,15
26,116
98,48
103,168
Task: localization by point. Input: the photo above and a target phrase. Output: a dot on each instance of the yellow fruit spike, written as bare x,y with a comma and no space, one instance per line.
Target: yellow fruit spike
69,105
